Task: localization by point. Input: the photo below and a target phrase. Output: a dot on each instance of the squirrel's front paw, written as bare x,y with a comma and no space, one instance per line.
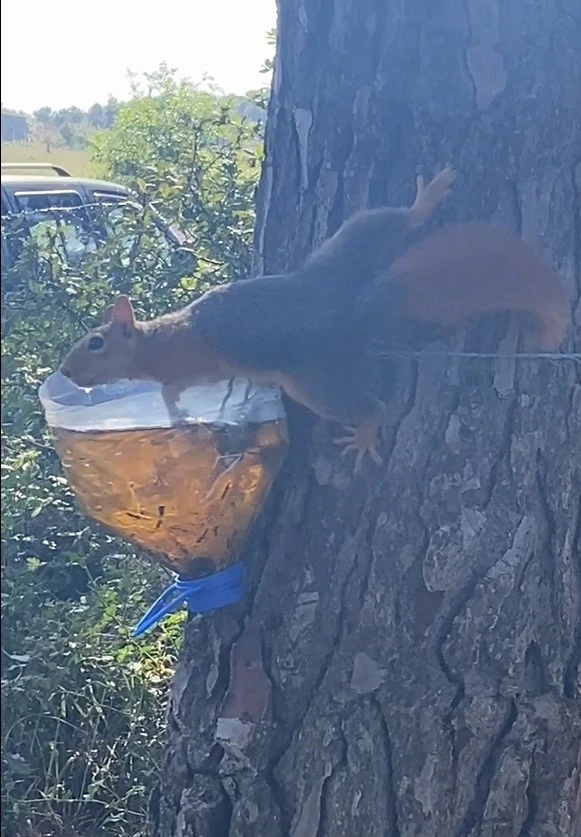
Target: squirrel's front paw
171,395
363,439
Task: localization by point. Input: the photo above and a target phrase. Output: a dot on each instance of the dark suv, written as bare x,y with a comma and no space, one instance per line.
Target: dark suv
78,213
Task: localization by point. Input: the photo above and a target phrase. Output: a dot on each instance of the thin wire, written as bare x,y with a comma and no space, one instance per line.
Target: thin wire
80,207
552,356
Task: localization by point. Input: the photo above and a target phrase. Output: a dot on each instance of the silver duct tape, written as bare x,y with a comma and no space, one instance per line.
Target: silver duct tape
133,405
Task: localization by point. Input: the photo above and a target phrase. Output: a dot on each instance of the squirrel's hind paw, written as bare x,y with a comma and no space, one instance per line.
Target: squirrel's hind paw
363,439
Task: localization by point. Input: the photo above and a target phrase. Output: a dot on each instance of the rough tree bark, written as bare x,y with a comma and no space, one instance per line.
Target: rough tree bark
407,659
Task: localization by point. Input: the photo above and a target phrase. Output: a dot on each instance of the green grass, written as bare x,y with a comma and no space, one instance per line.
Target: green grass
77,163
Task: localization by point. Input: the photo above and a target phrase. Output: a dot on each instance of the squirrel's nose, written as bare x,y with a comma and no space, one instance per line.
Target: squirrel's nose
66,372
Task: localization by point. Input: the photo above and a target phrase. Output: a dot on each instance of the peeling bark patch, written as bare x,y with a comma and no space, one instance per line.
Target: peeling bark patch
423,785
484,61
488,74
519,550
304,614
303,119
248,695
234,734
367,676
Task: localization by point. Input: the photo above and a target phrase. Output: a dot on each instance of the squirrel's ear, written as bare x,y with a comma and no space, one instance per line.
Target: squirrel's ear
123,312
108,314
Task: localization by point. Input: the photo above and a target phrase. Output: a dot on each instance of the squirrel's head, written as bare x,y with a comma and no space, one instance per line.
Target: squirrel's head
107,353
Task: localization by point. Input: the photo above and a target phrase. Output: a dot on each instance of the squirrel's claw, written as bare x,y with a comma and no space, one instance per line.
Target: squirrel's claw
428,197
363,439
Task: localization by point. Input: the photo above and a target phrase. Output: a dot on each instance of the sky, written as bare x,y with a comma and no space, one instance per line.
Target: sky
72,52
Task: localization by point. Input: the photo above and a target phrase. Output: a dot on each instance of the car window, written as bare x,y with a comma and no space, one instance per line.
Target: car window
58,220
30,201
61,221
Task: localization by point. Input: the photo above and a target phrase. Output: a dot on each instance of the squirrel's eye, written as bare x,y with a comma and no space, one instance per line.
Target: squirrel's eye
96,343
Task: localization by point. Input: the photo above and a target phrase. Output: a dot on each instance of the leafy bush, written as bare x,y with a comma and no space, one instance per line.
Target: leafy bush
191,153
82,719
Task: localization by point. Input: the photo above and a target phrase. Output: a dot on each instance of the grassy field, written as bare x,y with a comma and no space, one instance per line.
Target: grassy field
78,163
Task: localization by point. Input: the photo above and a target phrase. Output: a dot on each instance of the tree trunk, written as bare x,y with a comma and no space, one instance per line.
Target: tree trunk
407,658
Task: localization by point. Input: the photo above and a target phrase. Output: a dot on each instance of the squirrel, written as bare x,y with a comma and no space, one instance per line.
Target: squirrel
296,330
308,331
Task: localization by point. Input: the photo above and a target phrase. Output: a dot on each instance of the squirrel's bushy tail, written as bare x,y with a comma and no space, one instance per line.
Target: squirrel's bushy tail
468,270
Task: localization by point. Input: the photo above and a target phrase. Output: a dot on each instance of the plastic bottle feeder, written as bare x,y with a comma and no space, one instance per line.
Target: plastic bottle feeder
187,494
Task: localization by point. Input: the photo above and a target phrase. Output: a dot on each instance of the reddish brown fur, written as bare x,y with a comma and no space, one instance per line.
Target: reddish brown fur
467,270
167,350
172,336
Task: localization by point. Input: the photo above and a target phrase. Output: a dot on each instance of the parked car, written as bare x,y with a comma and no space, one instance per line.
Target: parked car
79,213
